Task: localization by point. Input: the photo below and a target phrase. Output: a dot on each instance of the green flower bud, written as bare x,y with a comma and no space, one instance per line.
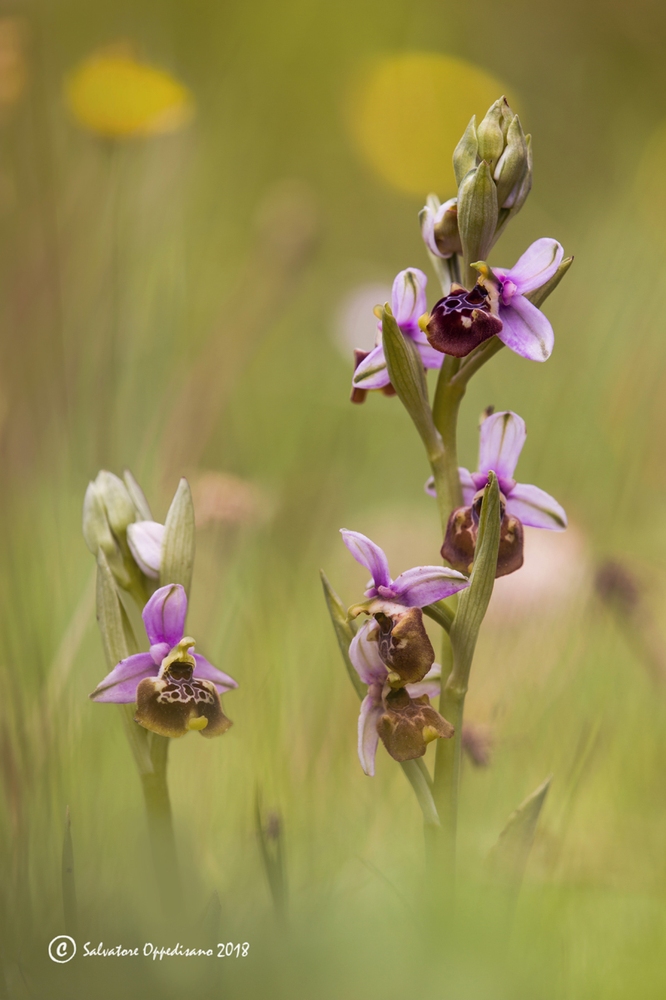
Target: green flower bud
513,166
98,534
477,213
96,530
465,153
507,115
490,136
118,503
526,184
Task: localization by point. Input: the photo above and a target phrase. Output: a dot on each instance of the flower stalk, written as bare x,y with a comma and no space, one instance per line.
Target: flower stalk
149,751
472,606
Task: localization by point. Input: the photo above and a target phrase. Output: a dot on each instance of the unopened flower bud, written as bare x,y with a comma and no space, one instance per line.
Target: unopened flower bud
97,533
439,228
477,213
145,541
118,504
465,153
96,530
489,134
512,167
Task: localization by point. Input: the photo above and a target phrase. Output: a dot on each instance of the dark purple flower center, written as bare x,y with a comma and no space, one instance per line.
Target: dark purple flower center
461,321
180,671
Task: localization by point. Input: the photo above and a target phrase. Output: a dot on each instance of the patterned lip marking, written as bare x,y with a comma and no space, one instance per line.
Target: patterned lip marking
184,692
461,321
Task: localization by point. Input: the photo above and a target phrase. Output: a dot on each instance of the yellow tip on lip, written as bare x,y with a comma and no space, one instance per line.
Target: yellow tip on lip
423,322
197,723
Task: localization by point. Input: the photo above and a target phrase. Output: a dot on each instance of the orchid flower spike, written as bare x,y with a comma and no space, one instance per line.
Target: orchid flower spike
176,690
498,305
408,303
501,442
402,717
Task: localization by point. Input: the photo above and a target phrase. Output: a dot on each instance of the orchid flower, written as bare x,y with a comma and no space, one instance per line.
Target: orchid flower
498,305
176,690
402,641
402,717
502,438
408,303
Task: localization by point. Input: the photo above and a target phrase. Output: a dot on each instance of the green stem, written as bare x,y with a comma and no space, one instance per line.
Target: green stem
476,360
160,824
446,406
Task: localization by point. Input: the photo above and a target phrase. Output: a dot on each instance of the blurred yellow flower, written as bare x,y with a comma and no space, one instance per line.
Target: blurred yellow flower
407,112
116,96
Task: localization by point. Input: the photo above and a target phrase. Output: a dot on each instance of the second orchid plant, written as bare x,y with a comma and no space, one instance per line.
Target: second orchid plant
168,690
482,309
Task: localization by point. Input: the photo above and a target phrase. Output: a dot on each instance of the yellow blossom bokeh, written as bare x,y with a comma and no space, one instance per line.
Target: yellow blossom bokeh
115,95
406,113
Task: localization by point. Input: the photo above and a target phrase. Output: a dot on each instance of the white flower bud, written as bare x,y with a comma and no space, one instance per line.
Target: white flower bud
145,541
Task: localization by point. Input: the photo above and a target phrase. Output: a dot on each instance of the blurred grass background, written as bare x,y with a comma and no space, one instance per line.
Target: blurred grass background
172,304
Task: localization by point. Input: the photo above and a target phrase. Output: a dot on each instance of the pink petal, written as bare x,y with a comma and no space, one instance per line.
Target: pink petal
207,672
535,508
430,357
164,615
120,685
372,372
467,484
526,330
145,541
502,439
430,685
408,298
537,265
364,654
368,737
425,584
369,555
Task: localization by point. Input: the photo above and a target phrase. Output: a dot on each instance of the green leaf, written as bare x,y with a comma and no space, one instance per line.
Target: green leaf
405,369
109,614
116,630
508,858
343,632
178,545
473,602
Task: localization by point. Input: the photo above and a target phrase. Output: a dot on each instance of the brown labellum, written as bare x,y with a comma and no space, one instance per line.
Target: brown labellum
409,724
462,320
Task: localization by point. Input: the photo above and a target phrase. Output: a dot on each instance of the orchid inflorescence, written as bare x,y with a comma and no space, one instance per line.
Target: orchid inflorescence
482,308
